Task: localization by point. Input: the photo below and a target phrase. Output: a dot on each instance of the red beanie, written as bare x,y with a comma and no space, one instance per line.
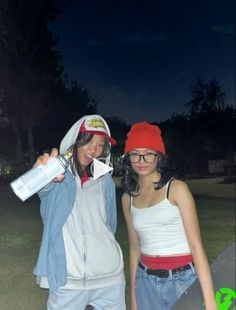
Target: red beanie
144,135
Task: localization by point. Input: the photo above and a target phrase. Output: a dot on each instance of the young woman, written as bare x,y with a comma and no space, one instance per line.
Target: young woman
164,237
80,261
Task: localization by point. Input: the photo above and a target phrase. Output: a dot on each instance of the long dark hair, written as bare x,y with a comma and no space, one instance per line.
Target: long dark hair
82,139
129,181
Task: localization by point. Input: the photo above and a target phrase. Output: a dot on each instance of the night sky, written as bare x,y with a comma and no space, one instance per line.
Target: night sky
140,58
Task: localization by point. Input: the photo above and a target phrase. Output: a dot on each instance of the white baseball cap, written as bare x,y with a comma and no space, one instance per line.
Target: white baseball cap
95,125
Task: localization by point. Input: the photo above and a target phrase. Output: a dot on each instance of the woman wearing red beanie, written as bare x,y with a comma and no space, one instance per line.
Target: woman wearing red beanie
164,237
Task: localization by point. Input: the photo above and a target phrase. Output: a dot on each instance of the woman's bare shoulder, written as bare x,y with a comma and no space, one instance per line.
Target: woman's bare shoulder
179,192
177,184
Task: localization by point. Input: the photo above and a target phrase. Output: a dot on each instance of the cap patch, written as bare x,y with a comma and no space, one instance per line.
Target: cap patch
94,124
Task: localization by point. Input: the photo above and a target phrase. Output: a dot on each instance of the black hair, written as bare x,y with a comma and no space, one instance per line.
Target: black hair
129,181
82,139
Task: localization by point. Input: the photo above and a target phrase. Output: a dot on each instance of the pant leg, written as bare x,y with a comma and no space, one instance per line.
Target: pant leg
109,298
62,299
154,293
148,291
177,285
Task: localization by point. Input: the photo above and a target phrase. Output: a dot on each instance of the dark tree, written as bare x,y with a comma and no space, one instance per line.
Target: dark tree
205,131
212,122
33,85
119,131
69,103
207,98
182,152
30,66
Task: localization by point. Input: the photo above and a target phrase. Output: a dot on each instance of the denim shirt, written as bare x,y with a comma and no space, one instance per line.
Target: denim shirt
57,202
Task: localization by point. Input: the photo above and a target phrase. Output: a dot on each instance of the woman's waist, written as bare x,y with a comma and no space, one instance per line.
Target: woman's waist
165,256
164,248
166,262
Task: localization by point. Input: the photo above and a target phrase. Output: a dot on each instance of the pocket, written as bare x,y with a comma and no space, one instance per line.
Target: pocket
103,256
183,281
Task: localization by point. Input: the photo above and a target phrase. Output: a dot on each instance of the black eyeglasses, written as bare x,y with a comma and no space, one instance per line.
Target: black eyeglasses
148,157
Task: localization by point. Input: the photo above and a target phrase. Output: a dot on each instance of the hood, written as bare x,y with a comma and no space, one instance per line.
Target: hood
70,137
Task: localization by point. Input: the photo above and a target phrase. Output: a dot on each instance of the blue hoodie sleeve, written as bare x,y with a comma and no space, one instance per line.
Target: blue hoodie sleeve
110,196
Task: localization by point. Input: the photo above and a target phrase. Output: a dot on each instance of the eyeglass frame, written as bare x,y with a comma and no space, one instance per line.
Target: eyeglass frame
143,156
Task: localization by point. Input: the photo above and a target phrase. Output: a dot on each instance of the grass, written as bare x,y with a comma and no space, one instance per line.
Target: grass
20,234
216,210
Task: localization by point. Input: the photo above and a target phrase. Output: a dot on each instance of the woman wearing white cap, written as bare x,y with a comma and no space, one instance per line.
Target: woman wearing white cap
80,261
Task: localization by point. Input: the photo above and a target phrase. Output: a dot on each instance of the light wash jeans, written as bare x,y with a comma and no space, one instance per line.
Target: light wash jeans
155,293
109,298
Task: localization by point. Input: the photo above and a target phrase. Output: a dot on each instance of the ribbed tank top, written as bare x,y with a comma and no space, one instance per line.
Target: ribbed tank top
160,228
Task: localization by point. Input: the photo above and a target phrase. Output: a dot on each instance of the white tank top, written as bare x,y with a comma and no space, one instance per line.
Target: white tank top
160,228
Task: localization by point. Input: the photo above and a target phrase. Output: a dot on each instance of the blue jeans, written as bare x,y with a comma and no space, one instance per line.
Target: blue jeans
156,293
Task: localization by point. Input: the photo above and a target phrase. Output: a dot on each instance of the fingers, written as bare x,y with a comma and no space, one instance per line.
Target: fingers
43,159
54,152
60,178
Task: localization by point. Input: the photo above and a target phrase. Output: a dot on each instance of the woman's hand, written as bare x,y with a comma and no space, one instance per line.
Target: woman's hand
43,159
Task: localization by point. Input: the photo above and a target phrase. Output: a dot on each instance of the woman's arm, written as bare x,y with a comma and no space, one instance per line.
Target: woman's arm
182,197
110,195
134,251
